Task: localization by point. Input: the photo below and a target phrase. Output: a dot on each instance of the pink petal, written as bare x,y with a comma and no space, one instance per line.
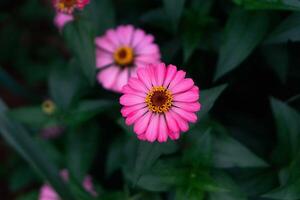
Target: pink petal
127,34
188,116
152,130
135,115
191,107
113,37
88,185
126,110
130,100
177,78
61,19
151,70
171,122
144,77
174,136
141,124
148,39
47,193
138,85
103,58
163,129
161,72
182,124
138,36
105,44
108,76
146,59
182,86
171,71
128,90
142,137
121,80
148,49
191,95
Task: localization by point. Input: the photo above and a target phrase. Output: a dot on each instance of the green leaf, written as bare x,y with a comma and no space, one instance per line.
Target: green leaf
208,98
21,177
16,136
199,149
114,157
277,57
231,192
101,13
287,30
161,177
82,146
288,129
267,4
189,194
37,116
174,10
80,37
29,196
147,155
229,153
64,85
243,32
88,109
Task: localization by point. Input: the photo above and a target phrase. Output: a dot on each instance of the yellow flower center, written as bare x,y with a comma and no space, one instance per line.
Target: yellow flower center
159,99
124,56
66,5
48,107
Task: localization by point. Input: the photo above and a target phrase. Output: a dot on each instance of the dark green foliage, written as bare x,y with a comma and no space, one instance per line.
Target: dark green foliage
242,54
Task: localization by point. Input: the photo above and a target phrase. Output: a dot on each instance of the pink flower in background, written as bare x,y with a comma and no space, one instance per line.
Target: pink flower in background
68,6
160,102
52,131
120,51
61,19
48,193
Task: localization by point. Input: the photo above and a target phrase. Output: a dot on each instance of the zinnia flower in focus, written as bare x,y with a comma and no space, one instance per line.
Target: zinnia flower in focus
160,102
48,193
61,19
68,6
120,51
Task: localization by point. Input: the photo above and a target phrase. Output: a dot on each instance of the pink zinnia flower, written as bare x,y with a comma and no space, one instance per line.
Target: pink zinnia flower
48,193
120,51
160,102
68,6
61,19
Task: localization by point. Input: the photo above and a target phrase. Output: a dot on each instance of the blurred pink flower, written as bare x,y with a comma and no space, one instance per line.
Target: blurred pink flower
68,6
160,102
61,19
48,193
51,132
120,51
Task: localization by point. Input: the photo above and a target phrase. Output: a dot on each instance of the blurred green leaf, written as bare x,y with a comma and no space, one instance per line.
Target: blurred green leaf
199,149
174,10
189,194
287,30
277,57
243,32
82,146
80,37
87,109
228,153
147,155
37,116
21,177
18,138
161,177
101,13
64,85
114,157
288,129
208,98
231,192
29,196
267,4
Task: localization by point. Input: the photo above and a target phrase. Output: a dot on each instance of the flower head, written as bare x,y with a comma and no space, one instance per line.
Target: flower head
48,193
160,102
68,6
48,107
120,51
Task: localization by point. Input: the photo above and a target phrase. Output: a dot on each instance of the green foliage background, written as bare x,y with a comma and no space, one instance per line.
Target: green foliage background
244,55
